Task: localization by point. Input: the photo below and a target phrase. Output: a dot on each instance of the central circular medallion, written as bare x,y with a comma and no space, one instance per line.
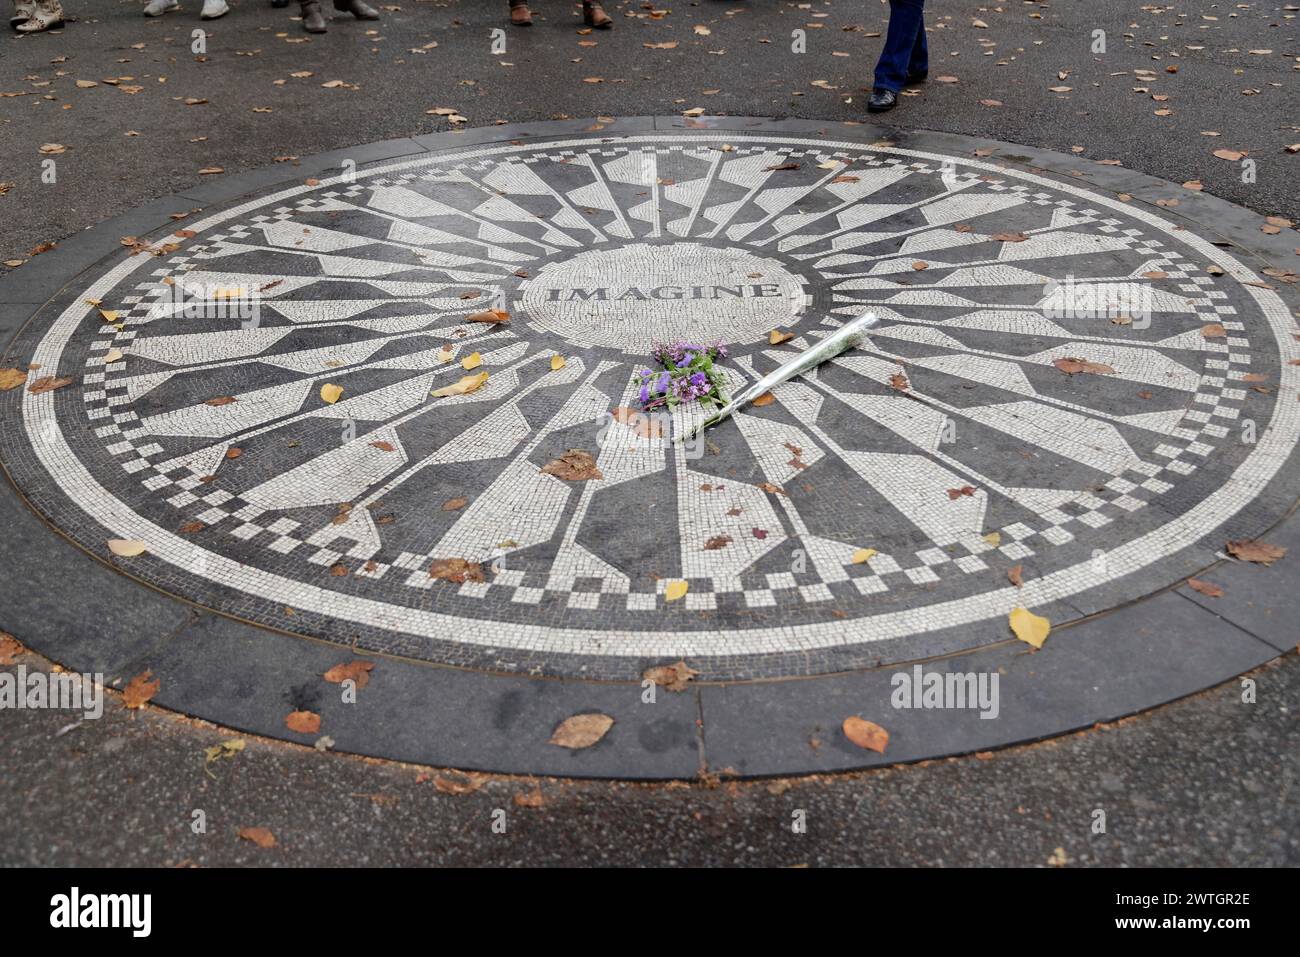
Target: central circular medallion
632,296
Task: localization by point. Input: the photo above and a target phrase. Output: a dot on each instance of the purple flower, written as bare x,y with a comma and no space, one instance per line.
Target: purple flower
662,387
699,380
645,394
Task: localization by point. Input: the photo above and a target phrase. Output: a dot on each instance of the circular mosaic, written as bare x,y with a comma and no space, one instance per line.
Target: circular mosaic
1056,393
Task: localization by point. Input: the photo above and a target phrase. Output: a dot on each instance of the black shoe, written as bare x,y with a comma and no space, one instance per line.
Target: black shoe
279,4
881,100
917,77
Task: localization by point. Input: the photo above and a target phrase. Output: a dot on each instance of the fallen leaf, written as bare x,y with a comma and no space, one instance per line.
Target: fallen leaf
1208,589
220,400
575,465
458,570
776,337
866,734
466,385
863,555
260,836
676,589
557,363
357,670
1253,550
1014,575
47,383
581,730
1028,627
899,381
140,689
489,315
302,722
1009,237
672,677
471,361
9,647
1213,330
994,538
1072,366
533,799
956,493
126,548
452,504
330,393
11,379
766,398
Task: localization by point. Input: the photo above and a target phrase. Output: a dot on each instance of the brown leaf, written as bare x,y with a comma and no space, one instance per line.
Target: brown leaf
140,689
11,379
47,383
672,677
260,836
1072,366
302,722
766,398
1014,575
956,493
778,336
452,504
866,734
1205,588
457,570
581,730
358,670
1009,237
1253,550
532,799
1213,330
221,400
489,315
716,542
384,446
575,465
899,381
9,647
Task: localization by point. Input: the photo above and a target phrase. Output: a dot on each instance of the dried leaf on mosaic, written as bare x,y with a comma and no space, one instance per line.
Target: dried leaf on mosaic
674,677
1074,366
11,379
458,570
48,383
466,385
575,465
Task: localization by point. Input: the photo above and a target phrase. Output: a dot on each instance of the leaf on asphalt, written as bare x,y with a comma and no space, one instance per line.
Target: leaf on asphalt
470,784
1230,155
221,400
452,504
260,836
1253,550
125,547
1209,589
11,379
676,589
466,385
458,570
532,799
1073,366
575,465
863,555
226,749
489,315
1030,628
358,670
9,648
581,730
140,689
672,677
776,337
302,722
1213,330
47,383
866,734
330,393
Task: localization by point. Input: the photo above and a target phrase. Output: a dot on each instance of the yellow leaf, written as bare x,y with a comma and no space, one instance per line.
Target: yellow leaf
776,337
330,393
466,385
994,538
126,548
471,361
675,590
112,355
581,730
110,315
863,555
1029,628
445,354
557,363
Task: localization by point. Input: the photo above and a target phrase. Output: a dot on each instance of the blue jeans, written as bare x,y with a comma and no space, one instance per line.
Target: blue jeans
904,54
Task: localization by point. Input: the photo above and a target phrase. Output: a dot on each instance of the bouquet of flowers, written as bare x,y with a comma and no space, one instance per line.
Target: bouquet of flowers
686,373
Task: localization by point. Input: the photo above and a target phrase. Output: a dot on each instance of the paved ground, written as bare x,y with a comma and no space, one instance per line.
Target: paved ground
1205,781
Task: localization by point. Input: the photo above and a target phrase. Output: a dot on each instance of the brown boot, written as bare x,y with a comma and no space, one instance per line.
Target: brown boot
594,15
313,21
520,15
358,8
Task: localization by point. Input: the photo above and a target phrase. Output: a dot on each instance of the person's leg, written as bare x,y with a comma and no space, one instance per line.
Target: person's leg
919,67
520,15
901,43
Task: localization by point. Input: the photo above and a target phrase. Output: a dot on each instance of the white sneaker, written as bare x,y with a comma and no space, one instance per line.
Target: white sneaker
214,8
156,8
